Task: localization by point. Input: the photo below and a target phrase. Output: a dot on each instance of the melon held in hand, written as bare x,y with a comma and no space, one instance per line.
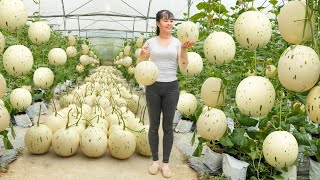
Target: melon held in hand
188,31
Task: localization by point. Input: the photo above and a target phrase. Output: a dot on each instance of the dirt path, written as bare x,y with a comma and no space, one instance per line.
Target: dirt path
79,167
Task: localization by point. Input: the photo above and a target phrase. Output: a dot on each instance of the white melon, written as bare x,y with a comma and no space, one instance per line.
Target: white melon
255,96
17,60
252,30
219,48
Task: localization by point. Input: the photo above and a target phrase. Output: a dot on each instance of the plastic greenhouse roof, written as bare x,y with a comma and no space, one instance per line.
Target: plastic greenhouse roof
109,18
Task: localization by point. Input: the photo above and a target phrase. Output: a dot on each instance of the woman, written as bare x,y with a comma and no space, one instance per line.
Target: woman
167,53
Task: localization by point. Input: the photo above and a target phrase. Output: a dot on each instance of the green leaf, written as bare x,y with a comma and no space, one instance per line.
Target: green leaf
238,138
198,16
225,141
8,106
302,138
301,98
257,134
198,150
273,2
198,112
247,121
311,128
7,144
218,21
201,5
255,154
264,121
219,8
36,2
13,133
278,177
296,120
193,137
217,74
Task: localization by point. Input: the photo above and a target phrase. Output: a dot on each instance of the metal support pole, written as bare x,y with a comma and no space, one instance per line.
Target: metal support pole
148,18
79,25
64,18
189,6
134,20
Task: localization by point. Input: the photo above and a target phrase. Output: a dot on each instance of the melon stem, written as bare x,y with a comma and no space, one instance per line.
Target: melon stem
54,108
38,122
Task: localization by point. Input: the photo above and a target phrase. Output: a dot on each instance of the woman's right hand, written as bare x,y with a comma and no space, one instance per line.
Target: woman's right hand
145,52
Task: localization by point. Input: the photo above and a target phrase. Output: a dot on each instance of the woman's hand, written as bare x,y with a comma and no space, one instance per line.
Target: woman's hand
187,44
145,52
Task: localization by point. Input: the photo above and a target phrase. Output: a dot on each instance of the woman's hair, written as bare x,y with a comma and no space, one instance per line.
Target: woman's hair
163,14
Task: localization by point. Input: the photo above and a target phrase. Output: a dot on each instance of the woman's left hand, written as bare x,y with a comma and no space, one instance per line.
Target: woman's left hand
187,44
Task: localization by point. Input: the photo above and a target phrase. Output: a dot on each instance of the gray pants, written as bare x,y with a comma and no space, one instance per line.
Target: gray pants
162,96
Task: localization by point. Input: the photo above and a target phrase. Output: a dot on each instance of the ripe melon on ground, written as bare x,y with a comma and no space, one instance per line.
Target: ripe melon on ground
121,144
38,139
143,146
93,142
65,142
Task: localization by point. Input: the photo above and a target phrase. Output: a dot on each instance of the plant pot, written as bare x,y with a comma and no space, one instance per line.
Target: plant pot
291,174
213,161
233,168
314,171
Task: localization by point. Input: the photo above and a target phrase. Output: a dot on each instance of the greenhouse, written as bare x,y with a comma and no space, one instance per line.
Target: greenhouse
160,89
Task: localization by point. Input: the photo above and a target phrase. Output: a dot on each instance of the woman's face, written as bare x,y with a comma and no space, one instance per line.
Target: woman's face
165,25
